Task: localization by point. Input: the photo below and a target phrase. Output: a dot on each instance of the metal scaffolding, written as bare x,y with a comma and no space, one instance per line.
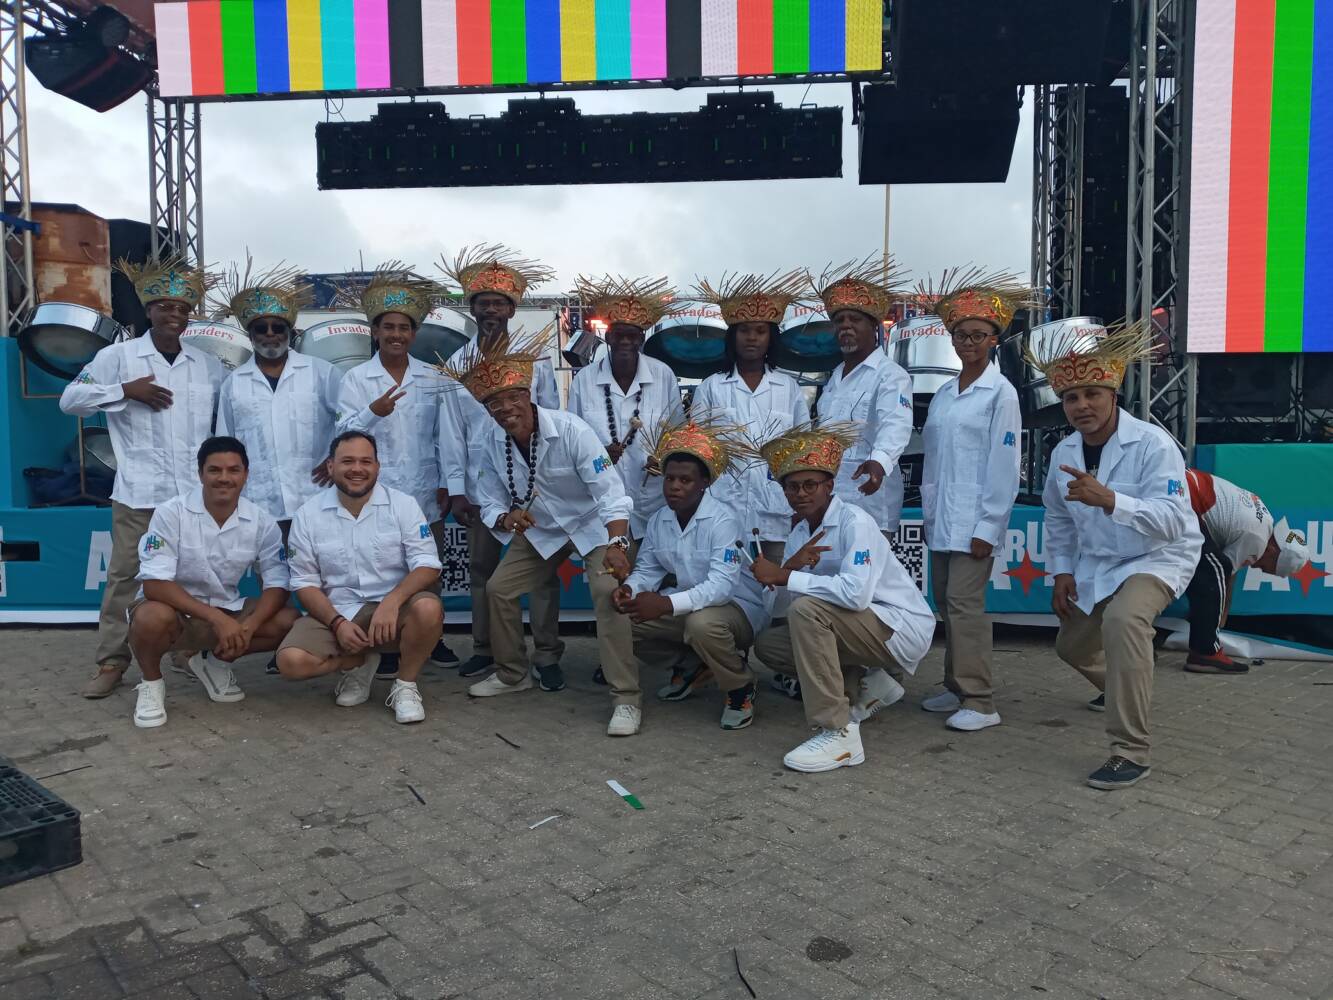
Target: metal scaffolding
18,292
1057,196
175,176
1159,77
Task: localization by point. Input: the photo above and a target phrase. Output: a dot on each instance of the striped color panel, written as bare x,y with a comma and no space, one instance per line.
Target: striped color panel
220,47
1261,213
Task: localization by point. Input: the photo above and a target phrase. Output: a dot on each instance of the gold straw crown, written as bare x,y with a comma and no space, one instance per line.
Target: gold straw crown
640,302
248,296
505,364
1085,356
493,267
753,298
971,292
870,286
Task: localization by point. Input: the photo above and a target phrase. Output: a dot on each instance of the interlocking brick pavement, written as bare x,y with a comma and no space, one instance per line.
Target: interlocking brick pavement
273,848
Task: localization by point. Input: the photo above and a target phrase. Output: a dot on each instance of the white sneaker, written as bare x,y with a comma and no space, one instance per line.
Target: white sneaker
828,750
878,692
945,701
405,700
492,686
150,711
354,685
968,721
625,721
216,677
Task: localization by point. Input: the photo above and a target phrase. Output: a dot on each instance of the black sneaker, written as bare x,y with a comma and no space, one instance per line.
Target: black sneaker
475,666
1117,773
271,667
786,684
598,677
681,686
1098,704
443,654
739,709
388,668
551,677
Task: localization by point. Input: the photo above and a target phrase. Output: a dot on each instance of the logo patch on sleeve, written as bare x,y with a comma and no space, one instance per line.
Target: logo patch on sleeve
730,556
152,543
904,402
861,558
85,378
282,553
1175,488
600,464
425,530
1009,439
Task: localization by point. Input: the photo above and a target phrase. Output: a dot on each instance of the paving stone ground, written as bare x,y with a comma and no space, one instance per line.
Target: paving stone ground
274,848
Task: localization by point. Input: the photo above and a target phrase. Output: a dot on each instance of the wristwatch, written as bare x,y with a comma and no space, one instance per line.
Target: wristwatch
620,541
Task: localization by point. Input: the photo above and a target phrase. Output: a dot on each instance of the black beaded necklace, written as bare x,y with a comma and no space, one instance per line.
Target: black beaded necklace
532,466
634,422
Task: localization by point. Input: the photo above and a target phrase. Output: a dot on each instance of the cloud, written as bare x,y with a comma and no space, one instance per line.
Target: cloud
260,192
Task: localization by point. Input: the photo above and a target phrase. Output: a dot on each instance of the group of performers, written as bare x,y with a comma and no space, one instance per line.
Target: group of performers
741,530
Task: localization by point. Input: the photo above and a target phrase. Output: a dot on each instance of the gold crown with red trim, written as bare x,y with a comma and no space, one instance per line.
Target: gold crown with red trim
168,278
493,268
505,364
964,293
1085,356
640,302
278,292
706,436
809,447
869,286
753,298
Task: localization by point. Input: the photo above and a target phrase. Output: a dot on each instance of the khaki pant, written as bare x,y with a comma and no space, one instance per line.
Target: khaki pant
483,556
716,636
958,583
316,638
826,646
195,633
128,526
522,571
1112,647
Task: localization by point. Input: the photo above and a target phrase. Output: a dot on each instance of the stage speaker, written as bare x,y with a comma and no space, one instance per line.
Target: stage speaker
84,69
1317,383
1017,41
937,136
1245,385
133,241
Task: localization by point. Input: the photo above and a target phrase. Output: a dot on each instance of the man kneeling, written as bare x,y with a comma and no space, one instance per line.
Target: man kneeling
363,564
712,613
852,603
197,548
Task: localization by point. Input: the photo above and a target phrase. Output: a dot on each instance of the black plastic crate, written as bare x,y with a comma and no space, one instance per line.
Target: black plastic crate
39,832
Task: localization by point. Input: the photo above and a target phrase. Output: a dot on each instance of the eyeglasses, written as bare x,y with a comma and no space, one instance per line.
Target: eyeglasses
277,327
970,338
800,487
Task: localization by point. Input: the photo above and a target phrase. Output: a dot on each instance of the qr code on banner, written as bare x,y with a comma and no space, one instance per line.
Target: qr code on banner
455,579
909,545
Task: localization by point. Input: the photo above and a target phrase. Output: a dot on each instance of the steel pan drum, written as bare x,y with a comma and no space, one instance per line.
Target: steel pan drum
98,455
225,341
923,347
692,346
807,343
62,337
343,343
443,333
1041,406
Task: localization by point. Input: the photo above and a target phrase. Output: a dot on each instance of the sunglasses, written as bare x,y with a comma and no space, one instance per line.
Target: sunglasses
277,327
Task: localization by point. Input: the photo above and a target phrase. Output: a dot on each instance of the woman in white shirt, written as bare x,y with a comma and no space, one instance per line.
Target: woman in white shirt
967,492
755,396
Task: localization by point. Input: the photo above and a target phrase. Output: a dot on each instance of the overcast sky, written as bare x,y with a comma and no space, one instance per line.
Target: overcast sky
259,192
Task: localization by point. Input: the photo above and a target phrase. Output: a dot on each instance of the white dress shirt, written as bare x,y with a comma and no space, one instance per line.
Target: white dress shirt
878,395
286,430
156,450
576,493
464,424
405,439
972,460
703,558
660,398
358,560
776,405
860,571
1152,530
185,545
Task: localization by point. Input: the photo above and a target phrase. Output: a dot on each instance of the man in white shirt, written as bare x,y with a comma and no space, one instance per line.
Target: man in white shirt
397,398
625,393
158,395
867,388
365,568
1238,531
968,489
852,605
548,489
710,613
493,281
196,549
1121,539
282,405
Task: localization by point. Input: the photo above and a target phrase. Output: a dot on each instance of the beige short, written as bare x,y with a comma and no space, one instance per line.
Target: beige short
195,633
315,637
